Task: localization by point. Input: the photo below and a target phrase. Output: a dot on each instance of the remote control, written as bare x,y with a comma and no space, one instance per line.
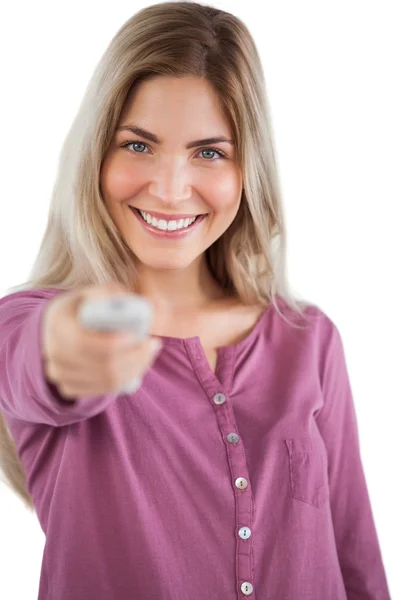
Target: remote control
119,312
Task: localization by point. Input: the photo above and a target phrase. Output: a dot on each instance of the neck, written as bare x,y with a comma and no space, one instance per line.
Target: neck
175,291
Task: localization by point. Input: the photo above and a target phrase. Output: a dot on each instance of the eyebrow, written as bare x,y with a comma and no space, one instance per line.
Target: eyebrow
153,138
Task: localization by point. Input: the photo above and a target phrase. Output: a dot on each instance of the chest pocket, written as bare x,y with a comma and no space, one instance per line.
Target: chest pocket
308,471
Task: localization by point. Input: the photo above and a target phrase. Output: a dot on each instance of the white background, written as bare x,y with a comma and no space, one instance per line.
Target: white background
332,73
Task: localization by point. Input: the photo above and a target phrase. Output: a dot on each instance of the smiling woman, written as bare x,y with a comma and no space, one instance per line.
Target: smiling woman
234,470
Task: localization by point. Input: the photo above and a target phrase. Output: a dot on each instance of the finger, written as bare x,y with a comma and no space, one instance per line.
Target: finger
125,361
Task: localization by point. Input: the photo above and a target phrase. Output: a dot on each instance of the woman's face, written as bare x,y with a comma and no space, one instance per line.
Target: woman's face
171,176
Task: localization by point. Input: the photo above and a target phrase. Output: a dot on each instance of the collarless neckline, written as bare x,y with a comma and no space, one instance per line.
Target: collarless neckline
243,343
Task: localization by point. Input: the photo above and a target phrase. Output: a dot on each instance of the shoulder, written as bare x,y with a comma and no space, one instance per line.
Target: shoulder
311,324
28,297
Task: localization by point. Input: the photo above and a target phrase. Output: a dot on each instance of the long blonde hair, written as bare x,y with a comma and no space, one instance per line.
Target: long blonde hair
81,244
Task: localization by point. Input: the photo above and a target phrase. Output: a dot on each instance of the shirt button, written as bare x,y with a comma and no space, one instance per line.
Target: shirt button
233,438
241,483
219,398
246,588
244,532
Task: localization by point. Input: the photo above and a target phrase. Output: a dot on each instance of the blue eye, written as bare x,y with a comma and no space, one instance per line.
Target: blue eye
135,142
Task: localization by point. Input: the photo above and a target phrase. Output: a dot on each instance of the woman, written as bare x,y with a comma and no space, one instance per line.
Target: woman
234,470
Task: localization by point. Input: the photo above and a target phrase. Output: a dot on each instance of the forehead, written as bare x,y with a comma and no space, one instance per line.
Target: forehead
172,99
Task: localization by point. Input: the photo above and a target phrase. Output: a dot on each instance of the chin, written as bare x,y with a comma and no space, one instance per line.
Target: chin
163,262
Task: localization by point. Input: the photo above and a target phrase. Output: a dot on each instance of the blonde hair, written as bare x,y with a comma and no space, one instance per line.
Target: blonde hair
81,244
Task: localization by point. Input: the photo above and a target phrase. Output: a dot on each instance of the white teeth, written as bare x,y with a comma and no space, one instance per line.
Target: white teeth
172,225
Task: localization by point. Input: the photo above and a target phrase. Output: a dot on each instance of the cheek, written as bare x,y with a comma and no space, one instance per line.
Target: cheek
225,191
117,182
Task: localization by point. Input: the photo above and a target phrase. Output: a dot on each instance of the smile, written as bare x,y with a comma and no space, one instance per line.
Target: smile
171,229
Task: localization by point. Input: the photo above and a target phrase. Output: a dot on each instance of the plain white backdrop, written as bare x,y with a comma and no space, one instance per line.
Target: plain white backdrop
332,74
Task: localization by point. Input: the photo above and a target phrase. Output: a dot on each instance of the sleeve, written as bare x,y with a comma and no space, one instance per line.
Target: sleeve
355,533
25,393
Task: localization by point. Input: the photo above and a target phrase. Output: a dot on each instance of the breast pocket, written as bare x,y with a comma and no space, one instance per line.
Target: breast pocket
308,471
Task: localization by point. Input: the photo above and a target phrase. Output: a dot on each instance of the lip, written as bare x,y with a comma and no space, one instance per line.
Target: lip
167,234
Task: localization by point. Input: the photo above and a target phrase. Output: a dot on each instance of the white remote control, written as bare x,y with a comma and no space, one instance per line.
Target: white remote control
119,312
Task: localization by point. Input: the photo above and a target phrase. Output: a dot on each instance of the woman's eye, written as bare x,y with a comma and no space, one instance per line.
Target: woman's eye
137,143
134,144
213,150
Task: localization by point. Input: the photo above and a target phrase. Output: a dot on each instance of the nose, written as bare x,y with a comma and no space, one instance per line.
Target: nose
169,184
